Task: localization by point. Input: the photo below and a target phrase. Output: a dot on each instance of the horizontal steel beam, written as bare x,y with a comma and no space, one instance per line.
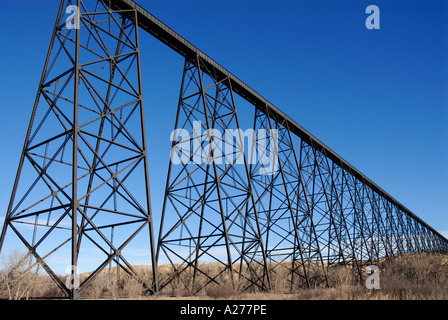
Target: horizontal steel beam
165,34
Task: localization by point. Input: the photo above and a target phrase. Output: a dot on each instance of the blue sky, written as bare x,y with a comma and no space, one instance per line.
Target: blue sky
378,98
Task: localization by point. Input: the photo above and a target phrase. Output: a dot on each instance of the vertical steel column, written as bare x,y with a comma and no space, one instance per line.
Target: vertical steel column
155,284
74,201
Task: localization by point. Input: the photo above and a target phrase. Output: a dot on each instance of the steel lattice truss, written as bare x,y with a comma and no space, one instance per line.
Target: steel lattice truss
85,159
214,204
231,214
305,216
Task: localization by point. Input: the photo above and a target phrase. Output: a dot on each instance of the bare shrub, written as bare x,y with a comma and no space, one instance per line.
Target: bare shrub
132,288
220,291
421,268
114,284
17,276
280,278
415,276
341,275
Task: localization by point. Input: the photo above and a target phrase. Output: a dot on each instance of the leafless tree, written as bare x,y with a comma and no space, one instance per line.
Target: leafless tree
17,275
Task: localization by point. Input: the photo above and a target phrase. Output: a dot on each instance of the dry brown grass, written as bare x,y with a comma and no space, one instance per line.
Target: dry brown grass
410,276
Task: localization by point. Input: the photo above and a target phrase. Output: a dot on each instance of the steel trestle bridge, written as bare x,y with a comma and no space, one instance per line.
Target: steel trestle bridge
83,179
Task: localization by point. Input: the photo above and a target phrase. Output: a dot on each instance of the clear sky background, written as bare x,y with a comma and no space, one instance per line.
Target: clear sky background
378,98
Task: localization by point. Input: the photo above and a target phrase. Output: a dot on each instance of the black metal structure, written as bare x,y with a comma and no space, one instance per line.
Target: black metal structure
84,166
82,183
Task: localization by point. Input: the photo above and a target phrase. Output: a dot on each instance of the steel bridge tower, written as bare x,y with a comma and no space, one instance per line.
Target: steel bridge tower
82,184
231,216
